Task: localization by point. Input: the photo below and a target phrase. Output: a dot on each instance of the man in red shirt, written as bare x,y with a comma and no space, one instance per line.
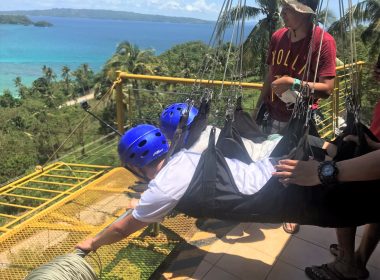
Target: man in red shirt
287,59
288,69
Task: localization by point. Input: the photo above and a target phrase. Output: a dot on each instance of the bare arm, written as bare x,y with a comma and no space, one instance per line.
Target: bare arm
116,232
305,173
362,168
322,89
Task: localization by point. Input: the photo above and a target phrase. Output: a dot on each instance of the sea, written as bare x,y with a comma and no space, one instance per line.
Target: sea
24,50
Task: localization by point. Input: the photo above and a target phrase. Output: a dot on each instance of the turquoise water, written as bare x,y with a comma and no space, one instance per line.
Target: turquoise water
74,41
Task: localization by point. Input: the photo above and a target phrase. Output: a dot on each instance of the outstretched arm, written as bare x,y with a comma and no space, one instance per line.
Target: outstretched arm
116,232
305,173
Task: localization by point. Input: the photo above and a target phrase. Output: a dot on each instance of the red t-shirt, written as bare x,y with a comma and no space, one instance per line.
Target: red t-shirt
289,59
375,125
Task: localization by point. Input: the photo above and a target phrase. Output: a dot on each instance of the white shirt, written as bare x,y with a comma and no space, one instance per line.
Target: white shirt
256,151
171,182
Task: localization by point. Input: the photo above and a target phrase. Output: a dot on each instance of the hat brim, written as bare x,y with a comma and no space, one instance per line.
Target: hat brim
299,7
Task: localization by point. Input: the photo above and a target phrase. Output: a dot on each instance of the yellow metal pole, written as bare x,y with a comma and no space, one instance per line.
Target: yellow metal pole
349,65
165,79
129,107
335,105
120,107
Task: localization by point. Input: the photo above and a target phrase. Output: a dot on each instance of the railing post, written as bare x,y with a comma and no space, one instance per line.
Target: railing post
120,107
129,107
155,230
360,70
335,105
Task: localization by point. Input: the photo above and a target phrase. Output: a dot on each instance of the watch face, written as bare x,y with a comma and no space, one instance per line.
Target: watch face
327,170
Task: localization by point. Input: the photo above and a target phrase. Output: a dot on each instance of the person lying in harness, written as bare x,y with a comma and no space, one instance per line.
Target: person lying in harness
211,185
143,149
258,147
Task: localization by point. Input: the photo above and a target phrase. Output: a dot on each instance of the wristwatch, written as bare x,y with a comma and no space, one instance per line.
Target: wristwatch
328,173
296,85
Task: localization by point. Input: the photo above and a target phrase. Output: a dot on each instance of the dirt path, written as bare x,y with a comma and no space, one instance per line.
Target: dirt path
81,99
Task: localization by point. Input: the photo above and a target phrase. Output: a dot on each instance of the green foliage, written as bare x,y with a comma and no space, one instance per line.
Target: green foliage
18,154
15,19
7,100
185,60
42,23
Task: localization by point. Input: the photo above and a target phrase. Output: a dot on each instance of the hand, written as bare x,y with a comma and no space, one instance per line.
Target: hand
372,144
303,173
282,84
86,245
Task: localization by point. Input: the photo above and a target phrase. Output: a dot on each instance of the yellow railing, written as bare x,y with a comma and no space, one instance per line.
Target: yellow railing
334,107
55,230
29,195
331,108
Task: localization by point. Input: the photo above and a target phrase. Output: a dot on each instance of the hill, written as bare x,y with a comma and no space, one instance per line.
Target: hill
103,14
23,20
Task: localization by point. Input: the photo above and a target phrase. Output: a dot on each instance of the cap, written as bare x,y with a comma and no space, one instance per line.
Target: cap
303,6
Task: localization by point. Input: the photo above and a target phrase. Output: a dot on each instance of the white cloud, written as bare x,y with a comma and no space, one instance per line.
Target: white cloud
200,6
177,5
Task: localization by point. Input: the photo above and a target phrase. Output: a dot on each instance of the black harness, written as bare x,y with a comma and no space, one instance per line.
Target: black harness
212,193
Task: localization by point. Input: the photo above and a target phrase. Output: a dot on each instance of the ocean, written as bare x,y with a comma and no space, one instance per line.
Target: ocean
74,41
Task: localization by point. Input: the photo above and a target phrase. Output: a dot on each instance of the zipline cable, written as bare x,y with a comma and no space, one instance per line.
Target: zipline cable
80,123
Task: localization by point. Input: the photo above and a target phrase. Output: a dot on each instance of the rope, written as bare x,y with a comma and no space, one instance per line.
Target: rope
67,267
81,122
86,146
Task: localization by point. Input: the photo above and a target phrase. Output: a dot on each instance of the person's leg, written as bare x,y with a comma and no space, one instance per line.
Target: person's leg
368,244
345,263
344,267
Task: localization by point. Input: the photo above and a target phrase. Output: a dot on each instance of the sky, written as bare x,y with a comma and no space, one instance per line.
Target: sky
204,9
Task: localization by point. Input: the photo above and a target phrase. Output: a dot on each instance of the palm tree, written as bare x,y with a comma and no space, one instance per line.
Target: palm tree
83,76
22,90
257,42
66,78
365,12
130,58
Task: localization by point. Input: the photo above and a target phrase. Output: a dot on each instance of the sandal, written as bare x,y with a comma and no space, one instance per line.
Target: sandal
324,272
291,228
334,250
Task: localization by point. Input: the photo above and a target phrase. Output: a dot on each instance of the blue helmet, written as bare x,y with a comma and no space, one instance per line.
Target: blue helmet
141,145
171,116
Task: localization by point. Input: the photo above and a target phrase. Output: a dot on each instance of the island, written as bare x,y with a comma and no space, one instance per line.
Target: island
104,14
22,20
42,23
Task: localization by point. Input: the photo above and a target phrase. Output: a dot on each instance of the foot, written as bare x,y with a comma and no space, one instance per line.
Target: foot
291,228
362,271
337,270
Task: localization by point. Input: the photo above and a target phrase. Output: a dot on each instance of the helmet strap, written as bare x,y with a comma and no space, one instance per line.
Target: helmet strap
138,172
